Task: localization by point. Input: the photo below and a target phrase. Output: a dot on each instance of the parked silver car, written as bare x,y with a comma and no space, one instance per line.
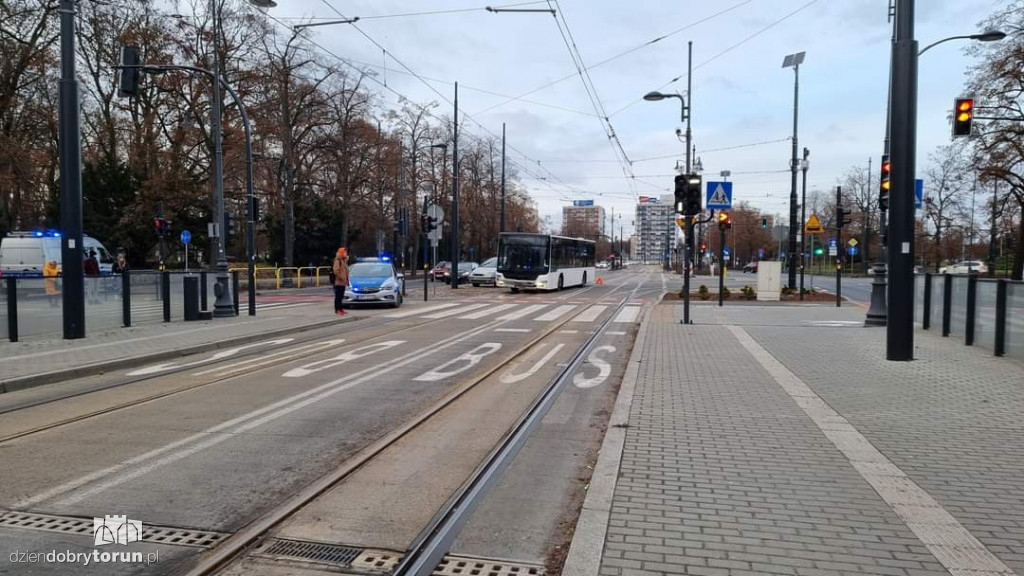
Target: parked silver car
484,274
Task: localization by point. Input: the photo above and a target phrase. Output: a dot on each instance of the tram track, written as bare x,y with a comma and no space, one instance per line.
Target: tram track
235,545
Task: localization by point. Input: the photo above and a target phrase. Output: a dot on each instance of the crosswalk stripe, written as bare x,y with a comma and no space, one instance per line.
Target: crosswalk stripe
522,312
486,312
590,314
628,314
557,313
416,311
453,312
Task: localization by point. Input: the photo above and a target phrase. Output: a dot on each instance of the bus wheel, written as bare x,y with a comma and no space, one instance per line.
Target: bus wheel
584,279
559,282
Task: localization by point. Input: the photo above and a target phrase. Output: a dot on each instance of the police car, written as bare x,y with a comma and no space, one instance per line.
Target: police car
374,281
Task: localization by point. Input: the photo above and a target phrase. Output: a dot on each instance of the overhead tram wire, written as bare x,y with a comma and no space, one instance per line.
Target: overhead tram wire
616,56
524,169
592,94
724,52
432,88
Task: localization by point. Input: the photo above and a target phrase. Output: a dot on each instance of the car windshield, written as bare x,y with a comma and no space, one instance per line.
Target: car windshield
490,262
368,270
463,266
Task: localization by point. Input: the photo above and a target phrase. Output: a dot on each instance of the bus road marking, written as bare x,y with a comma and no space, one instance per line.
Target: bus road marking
461,363
509,378
604,369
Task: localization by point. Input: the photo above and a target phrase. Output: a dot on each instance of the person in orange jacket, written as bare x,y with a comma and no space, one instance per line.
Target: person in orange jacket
51,270
340,280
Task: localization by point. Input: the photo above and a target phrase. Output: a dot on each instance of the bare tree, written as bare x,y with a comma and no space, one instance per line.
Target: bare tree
945,184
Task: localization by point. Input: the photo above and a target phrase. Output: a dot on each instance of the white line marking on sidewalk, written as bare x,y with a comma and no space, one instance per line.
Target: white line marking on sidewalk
590,314
555,314
416,311
951,544
522,312
487,312
517,330
628,314
453,312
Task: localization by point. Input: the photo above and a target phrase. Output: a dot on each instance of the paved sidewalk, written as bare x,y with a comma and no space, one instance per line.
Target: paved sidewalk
777,440
42,360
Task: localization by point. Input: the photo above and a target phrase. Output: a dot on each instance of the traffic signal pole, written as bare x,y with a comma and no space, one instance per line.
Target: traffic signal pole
721,263
72,273
900,326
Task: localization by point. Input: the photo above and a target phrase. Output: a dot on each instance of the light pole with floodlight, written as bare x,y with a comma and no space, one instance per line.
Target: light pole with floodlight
794,61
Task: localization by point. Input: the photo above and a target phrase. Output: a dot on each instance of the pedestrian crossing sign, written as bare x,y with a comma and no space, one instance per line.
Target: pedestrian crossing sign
813,225
719,196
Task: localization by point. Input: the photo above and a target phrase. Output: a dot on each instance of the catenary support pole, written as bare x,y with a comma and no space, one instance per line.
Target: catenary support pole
72,273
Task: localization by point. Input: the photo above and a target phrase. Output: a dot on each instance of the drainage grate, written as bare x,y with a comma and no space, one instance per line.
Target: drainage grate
376,561
465,566
309,551
84,527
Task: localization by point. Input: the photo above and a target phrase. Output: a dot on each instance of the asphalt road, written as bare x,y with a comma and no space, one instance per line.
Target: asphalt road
212,442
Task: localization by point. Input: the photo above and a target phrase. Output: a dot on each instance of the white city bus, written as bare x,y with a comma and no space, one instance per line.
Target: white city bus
543,262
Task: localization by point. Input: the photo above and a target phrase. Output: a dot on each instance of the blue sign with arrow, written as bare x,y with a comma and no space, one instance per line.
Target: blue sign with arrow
719,196
186,237
918,193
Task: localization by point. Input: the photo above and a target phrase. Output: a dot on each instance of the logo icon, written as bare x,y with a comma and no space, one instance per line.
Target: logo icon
116,530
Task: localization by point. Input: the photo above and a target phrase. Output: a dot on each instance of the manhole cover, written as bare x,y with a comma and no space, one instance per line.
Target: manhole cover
309,551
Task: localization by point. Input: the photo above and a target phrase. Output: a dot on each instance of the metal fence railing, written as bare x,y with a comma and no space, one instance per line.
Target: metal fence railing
984,312
32,305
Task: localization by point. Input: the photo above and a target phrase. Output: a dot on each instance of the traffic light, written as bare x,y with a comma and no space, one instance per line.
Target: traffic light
160,225
230,224
818,250
724,220
687,194
764,222
963,116
129,82
703,246
886,183
842,217
255,209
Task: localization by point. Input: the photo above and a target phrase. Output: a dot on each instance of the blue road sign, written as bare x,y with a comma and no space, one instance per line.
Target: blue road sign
853,250
186,237
719,196
726,252
918,193
833,243
760,253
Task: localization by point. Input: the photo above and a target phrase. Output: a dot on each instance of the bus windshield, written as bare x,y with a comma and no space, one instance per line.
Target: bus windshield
523,255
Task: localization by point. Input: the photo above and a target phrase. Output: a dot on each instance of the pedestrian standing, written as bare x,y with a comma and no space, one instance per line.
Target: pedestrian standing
50,272
340,280
120,266
91,267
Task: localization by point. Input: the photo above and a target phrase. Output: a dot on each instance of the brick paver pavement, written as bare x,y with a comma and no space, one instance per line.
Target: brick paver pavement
728,468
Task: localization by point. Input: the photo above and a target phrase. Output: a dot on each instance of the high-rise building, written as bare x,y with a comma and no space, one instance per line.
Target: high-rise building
654,228
583,220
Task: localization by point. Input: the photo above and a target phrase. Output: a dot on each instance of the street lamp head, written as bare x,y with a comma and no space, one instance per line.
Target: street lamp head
654,96
793,60
989,36
263,4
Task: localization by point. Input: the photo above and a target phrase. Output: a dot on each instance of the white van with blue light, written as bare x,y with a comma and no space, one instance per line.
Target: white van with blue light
26,252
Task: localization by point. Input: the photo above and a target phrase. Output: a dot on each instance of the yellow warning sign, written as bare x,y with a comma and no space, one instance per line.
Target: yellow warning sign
853,242
813,225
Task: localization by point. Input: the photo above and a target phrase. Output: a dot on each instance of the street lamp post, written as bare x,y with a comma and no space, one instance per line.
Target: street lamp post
793,61
805,164
72,273
455,192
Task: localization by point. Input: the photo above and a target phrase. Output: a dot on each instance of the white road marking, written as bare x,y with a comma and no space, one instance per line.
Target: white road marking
218,356
509,378
461,364
281,356
489,311
568,331
454,311
610,333
628,314
604,369
590,314
341,359
519,330
951,544
555,314
524,311
130,469
416,311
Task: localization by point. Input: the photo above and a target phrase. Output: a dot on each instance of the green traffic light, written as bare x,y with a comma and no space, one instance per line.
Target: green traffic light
818,251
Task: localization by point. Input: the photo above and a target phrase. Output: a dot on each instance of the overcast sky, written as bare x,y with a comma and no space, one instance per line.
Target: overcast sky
741,95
